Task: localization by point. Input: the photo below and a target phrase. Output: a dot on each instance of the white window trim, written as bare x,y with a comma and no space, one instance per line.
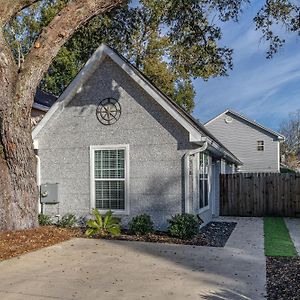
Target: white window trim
278,156
92,176
209,181
260,143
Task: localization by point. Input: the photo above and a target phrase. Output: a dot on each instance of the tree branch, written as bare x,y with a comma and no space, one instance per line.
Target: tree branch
9,8
8,72
63,25
8,68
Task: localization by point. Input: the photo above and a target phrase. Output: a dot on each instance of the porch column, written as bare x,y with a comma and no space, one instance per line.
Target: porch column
233,168
223,166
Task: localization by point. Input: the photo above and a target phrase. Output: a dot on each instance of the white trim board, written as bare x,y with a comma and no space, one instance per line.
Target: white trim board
196,134
89,69
126,179
270,131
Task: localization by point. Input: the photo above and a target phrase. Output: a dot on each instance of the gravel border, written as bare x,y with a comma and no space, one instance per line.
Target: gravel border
217,233
283,278
15,243
214,234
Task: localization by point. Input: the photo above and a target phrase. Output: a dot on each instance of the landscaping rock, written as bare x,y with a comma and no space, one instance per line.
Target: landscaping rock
283,278
217,233
214,234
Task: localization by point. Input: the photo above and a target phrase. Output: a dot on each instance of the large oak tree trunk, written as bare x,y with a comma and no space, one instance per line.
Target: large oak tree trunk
18,189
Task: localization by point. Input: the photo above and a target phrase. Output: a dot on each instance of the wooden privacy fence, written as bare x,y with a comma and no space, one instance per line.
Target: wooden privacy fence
260,194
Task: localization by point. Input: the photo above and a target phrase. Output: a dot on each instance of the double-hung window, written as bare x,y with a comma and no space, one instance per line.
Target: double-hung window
204,188
109,172
260,146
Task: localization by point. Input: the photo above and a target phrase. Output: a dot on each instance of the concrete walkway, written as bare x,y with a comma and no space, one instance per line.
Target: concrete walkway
293,226
120,270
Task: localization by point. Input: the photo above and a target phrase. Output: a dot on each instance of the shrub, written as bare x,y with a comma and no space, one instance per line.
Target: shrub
44,220
184,226
141,225
103,225
67,221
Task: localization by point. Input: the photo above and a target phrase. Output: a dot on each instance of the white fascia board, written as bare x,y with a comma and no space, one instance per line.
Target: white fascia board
216,117
89,69
194,133
279,136
73,88
35,144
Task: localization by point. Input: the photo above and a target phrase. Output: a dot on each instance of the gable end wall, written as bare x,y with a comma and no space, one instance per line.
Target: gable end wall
241,138
157,146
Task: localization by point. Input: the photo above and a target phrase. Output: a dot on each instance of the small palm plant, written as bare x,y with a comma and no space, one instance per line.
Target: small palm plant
103,225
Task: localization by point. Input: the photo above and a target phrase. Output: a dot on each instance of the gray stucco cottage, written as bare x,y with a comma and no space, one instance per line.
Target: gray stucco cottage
257,146
114,141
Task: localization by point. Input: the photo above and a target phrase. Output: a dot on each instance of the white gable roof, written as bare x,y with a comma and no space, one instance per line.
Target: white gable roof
249,121
197,132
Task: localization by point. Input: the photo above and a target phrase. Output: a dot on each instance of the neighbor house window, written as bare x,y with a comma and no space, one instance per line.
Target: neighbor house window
260,146
203,180
109,183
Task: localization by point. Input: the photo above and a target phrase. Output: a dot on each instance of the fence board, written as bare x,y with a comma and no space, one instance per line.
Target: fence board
260,194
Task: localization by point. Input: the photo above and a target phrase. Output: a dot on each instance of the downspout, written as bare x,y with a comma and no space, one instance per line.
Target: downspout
187,177
38,171
38,179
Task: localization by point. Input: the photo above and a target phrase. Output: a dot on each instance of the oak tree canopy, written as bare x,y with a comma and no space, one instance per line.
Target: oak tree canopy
171,41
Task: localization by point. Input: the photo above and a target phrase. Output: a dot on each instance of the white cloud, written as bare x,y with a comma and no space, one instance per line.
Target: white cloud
255,86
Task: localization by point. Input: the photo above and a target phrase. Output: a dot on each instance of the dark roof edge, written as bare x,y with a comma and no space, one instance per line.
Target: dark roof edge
179,109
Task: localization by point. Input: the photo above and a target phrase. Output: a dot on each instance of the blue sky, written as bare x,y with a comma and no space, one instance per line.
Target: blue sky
264,90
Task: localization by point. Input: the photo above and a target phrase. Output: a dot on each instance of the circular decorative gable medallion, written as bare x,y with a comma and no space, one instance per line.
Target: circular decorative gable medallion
228,119
108,111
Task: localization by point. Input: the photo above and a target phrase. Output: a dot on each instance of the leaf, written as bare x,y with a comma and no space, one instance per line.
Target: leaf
98,217
115,230
90,232
107,218
92,224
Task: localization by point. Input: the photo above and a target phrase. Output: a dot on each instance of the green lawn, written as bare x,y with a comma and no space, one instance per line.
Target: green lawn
277,238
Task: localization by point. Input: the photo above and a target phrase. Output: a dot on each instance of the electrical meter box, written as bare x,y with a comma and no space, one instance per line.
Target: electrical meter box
49,193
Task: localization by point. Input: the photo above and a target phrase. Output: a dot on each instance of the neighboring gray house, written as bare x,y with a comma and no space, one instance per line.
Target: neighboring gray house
114,141
255,145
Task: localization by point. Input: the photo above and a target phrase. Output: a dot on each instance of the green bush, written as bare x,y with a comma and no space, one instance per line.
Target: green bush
44,220
183,226
67,221
103,225
141,225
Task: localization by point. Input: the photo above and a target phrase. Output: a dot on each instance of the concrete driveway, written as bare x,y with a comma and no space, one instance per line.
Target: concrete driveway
99,269
293,225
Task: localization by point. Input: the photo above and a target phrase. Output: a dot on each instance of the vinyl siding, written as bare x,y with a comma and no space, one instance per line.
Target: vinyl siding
241,138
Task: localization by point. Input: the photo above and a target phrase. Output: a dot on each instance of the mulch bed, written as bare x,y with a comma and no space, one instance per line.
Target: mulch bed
15,243
214,234
283,278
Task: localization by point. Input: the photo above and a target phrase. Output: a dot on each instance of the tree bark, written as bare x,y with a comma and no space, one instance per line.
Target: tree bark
18,189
